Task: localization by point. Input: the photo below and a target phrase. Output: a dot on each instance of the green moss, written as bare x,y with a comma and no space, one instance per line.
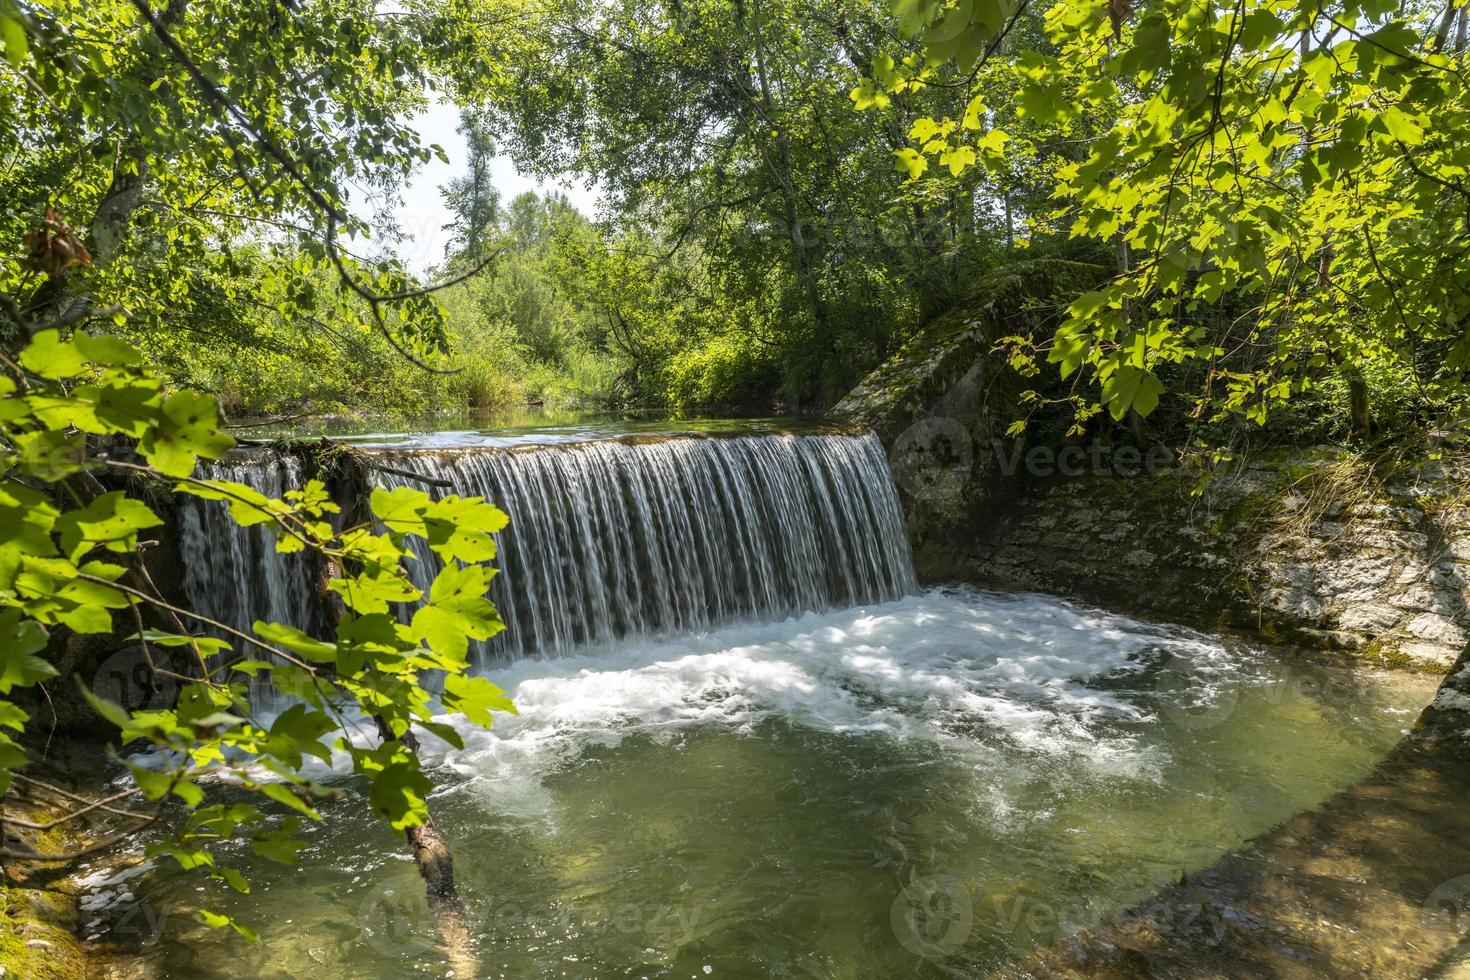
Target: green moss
36,941
1386,653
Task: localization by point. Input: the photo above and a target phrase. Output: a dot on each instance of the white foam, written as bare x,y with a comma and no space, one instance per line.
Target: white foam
960,666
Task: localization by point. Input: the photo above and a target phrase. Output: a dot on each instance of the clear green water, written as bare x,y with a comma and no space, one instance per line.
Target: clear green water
929,787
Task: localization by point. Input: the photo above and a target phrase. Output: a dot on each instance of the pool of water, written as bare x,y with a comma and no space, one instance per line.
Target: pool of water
926,787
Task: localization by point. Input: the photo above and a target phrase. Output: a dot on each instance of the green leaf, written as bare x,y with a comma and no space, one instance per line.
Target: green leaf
218,920
460,528
106,350
1131,387
282,794
48,356
399,788
208,645
111,521
154,785
457,611
475,698
1401,126
234,879
186,431
910,161
20,640
13,36
281,845
296,641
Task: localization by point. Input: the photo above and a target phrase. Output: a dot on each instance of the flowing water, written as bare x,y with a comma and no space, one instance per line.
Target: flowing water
645,534
836,776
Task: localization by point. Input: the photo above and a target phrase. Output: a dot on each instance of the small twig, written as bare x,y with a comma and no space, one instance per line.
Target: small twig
77,314
411,475
102,845
42,784
196,616
101,804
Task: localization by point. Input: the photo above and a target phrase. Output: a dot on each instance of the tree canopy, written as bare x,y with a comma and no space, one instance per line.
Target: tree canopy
195,194
1283,186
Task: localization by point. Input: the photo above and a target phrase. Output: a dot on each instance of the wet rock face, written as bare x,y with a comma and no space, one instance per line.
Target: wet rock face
942,403
1315,548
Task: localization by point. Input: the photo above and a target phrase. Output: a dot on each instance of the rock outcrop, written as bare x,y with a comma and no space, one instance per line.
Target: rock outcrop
946,397
1320,548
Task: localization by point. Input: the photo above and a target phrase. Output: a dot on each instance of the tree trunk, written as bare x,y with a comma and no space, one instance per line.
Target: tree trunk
56,298
436,866
1442,35
1359,415
784,177
1010,222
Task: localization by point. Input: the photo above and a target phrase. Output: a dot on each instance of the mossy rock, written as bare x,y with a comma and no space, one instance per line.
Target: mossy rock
36,938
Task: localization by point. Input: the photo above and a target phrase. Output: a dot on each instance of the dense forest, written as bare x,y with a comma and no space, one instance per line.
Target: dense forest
1238,222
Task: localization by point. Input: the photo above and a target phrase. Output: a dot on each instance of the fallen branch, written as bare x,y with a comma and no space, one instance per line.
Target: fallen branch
411,475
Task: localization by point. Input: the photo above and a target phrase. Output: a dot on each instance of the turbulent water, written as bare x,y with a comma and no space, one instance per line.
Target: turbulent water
922,787
610,538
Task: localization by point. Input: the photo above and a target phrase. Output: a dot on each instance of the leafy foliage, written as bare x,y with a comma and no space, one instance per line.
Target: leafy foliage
187,168
1282,185
75,567
757,249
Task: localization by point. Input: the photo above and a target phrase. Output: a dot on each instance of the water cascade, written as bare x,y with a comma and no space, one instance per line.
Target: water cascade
234,574
611,538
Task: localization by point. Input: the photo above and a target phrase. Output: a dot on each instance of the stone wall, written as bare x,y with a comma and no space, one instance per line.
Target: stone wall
940,403
1317,547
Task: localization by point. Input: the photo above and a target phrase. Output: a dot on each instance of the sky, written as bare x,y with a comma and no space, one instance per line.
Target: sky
422,215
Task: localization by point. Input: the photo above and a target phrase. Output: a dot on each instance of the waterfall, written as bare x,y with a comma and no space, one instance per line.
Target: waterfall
234,574
616,537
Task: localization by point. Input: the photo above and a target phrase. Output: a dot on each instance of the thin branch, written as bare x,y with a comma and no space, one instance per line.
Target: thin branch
79,313
41,784
197,617
101,804
102,845
411,475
